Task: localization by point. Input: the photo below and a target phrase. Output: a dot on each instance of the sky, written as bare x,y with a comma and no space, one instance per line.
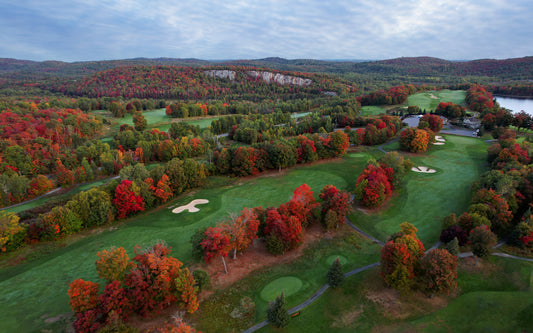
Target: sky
83,30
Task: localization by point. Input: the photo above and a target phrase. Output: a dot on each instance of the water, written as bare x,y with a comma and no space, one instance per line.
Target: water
516,104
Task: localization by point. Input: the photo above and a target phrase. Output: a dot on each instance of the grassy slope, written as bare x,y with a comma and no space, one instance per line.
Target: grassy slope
426,102
502,289
371,110
39,288
505,289
427,198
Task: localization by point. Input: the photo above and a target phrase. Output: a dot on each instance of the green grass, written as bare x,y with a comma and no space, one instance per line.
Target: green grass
33,291
152,117
372,110
503,288
494,299
427,198
425,100
300,114
288,285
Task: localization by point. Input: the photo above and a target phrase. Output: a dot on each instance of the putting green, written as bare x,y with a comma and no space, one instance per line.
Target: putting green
288,285
331,259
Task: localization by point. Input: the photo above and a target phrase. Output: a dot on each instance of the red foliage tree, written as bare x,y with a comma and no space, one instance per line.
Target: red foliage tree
64,176
374,185
439,271
216,243
241,231
301,204
335,200
115,300
125,201
151,284
40,185
400,256
83,295
162,190
434,122
414,140
287,228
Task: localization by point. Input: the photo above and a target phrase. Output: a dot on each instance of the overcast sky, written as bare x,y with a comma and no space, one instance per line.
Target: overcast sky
79,30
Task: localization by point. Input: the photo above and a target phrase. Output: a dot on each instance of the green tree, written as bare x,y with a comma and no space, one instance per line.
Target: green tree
453,246
93,207
277,313
9,228
335,275
196,242
202,279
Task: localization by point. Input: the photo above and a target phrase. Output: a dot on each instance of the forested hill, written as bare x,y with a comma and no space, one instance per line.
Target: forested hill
508,69
208,82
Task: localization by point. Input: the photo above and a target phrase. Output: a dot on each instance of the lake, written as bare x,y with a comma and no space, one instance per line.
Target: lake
516,104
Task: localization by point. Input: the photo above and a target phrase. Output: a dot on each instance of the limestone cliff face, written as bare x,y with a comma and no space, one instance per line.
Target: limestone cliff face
280,78
221,74
268,77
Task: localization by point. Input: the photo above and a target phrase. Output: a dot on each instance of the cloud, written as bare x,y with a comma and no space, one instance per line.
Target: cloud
364,29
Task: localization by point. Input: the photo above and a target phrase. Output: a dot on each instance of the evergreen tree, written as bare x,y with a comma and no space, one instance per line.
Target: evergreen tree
335,275
453,246
277,313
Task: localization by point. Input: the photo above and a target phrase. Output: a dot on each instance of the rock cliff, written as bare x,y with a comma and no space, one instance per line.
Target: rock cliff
280,78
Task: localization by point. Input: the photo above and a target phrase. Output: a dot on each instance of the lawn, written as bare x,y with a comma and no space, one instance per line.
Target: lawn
372,110
152,117
427,198
36,290
502,286
429,100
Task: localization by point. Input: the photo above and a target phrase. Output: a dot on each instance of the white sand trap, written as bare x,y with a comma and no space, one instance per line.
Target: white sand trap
438,143
191,206
433,96
423,169
440,138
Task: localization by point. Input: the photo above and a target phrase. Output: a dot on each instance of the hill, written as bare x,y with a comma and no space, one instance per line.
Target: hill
512,69
179,82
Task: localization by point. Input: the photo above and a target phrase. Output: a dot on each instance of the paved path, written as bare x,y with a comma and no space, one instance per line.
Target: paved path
505,255
28,201
351,225
57,189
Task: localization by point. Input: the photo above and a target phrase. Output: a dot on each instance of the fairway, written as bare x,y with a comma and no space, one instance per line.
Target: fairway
372,110
427,198
429,100
34,291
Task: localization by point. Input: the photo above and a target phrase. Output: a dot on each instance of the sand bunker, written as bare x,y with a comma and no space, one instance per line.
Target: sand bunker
423,169
433,96
191,206
440,138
